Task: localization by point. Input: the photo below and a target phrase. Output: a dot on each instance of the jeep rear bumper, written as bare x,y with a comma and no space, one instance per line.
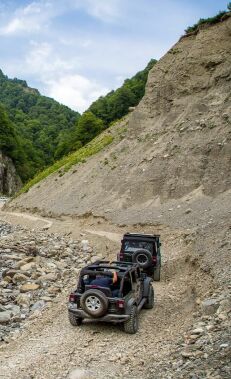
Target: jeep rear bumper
110,317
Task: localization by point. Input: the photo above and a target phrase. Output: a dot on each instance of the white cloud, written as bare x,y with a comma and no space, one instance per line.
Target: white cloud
103,9
76,91
36,16
43,60
59,78
32,18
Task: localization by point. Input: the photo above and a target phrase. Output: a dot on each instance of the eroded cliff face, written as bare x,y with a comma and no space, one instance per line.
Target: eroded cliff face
9,180
176,141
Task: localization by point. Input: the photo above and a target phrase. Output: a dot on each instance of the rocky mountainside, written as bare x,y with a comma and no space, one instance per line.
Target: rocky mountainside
9,180
176,141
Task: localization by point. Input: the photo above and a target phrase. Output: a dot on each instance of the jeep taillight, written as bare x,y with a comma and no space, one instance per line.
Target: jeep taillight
120,304
154,259
121,256
72,298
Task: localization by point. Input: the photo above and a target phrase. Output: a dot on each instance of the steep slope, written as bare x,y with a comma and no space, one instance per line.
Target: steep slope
176,140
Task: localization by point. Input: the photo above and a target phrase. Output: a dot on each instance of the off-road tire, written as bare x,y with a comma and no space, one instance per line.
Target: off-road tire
94,303
142,253
131,326
150,300
156,274
74,320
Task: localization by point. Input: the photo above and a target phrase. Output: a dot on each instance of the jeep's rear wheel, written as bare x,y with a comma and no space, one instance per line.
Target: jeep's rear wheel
74,320
131,326
150,300
156,274
94,303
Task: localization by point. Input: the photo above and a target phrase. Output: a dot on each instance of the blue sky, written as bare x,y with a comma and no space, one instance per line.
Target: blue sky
78,50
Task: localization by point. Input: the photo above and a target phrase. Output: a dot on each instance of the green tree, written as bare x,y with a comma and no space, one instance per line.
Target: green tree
38,120
88,127
115,104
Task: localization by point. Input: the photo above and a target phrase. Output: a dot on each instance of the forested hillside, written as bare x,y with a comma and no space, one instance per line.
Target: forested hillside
11,145
38,120
36,130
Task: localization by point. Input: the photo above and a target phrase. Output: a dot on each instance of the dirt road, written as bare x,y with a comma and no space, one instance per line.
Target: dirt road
50,348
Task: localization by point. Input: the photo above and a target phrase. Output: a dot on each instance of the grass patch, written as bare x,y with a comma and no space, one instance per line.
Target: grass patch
67,162
205,22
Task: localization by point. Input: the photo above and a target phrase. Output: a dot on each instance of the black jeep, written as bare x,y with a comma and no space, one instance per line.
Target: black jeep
116,302
143,249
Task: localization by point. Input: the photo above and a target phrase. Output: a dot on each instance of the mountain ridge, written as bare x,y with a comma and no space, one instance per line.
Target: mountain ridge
173,142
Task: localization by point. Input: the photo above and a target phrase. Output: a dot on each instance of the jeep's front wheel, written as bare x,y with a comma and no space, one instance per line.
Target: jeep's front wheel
75,321
150,300
131,326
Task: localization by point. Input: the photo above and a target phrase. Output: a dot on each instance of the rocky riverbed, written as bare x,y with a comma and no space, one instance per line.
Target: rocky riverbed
35,267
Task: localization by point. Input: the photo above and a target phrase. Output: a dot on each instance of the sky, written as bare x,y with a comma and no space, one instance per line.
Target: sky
77,50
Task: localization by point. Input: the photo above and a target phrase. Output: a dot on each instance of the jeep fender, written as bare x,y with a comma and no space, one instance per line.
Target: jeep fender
129,305
147,283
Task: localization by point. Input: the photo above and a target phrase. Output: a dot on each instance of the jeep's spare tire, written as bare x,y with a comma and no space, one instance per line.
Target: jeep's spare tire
143,257
94,303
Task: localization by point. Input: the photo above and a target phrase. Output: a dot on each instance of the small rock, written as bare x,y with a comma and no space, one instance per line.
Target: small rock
53,290
209,306
48,277
95,258
197,331
224,345
186,354
5,317
79,374
19,278
29,287
27,266
23,300
39,305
